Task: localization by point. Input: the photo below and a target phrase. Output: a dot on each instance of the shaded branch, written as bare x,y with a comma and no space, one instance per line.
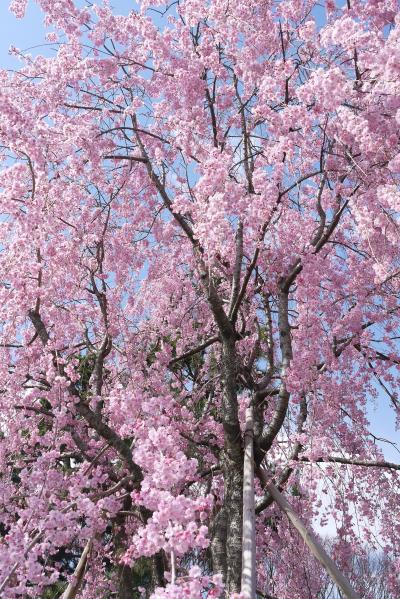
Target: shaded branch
194,351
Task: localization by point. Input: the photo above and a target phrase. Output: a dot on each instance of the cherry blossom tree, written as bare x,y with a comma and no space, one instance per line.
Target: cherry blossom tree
200,218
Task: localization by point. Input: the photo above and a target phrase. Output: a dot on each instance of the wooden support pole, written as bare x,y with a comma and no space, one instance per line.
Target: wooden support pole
315,547
248,583
72,589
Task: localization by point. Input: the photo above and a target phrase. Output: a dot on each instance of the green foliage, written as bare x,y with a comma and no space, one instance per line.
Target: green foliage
54,591
294,491
142,575
86,365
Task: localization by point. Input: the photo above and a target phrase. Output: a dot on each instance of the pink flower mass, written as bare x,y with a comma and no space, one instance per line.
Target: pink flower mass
200,219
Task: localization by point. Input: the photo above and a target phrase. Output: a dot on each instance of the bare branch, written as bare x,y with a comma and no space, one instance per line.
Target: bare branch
237,269
353,462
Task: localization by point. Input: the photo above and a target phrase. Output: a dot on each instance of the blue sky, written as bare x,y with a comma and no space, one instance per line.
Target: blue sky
30,33
20,33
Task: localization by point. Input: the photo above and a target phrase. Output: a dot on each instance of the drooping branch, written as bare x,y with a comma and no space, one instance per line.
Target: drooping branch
93,419
40,328
252,265
211,106
298,446
184,224
224,324
129,158
352,462
268,499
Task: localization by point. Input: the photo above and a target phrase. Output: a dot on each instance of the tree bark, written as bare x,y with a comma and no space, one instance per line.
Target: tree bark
233,489
218,542
232,468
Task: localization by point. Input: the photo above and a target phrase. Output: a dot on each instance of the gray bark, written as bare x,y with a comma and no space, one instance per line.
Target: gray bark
218,542
279,414
232,468
233,486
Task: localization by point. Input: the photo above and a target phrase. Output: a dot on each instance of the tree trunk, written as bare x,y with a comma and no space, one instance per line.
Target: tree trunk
218,542
232,468
125,574
233,490
159,565
151,570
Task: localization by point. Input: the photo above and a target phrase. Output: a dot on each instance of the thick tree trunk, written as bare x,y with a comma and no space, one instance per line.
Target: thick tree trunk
233,490
232,468
152,571
218,542
231,458
159,569
124,573
126,582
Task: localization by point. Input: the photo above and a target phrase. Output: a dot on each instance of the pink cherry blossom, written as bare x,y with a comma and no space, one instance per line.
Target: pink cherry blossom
199,214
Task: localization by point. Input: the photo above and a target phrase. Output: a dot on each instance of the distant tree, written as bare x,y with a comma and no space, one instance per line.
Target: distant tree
372,571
